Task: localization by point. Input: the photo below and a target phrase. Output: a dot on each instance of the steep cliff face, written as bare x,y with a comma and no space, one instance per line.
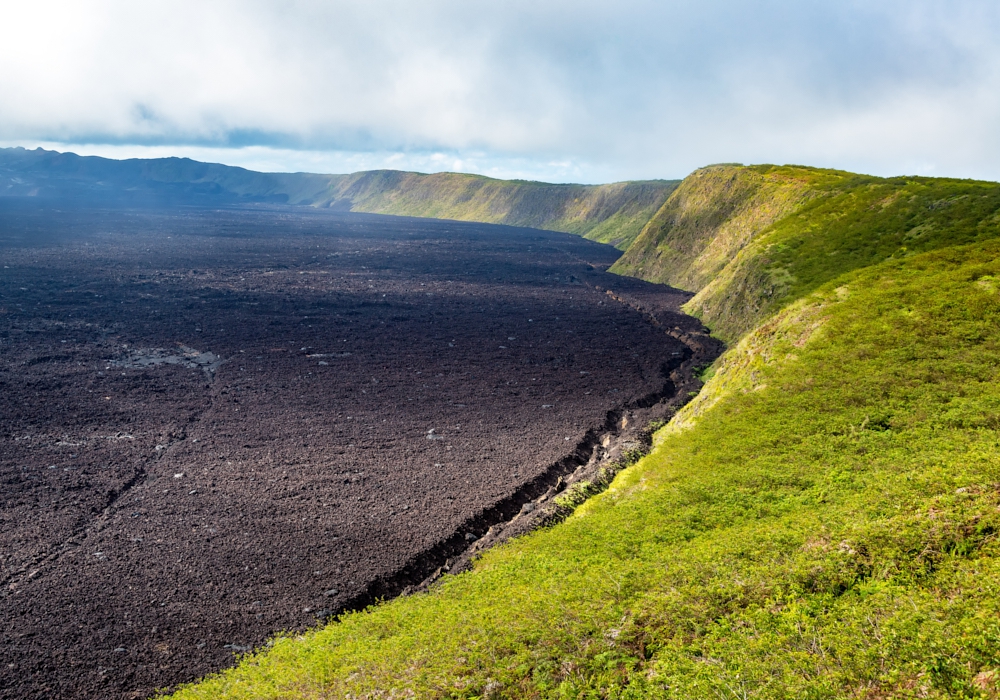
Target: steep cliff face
612,213
715,212
749,240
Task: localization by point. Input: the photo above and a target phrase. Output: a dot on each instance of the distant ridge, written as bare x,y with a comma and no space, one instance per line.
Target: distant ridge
613,213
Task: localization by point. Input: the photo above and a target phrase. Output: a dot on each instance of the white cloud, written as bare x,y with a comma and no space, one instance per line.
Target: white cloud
554,90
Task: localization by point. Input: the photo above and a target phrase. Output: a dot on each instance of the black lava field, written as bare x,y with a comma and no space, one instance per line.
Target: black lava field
217,424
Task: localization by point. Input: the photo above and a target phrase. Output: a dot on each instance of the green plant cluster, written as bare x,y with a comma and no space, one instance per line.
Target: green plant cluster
577,494
822,521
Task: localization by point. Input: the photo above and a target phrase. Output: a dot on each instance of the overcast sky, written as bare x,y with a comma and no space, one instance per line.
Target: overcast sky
544,89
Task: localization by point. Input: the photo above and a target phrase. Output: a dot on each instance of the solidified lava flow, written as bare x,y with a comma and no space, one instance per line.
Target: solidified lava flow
215,424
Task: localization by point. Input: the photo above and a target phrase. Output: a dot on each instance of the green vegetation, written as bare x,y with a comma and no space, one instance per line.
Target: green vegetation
607,213
821,521
751,239
714,213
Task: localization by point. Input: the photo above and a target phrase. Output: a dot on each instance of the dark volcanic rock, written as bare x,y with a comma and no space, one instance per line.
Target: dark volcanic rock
200,410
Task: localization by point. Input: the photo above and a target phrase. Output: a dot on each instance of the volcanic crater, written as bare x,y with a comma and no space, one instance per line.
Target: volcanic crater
218,424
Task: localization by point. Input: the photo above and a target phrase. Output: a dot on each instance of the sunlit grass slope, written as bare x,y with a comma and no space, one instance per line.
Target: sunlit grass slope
821,522
713,214
612,213
751,239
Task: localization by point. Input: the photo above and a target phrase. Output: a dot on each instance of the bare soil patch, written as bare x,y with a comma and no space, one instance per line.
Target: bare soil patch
220,424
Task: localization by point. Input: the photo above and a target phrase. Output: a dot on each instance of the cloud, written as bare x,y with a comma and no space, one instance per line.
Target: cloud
590,90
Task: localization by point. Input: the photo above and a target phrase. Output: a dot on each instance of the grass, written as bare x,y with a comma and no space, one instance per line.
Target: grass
845,225
712,215
749,240
612,213
821,522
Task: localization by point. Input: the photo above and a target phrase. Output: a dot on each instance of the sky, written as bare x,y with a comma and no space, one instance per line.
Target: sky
553,90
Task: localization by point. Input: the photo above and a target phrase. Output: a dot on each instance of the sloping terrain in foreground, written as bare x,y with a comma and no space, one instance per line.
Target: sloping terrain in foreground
612,213
820,522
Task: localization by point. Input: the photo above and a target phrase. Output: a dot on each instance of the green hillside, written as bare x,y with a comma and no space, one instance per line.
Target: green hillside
821,521
714,213
750,239
607,213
